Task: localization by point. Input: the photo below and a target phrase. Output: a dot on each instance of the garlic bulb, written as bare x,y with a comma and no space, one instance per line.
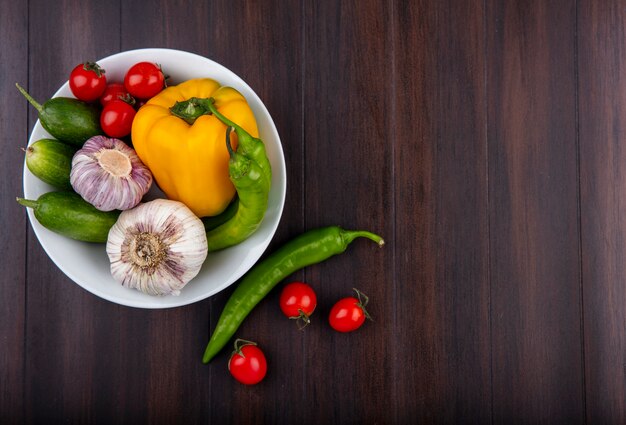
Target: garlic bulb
109,175
157,247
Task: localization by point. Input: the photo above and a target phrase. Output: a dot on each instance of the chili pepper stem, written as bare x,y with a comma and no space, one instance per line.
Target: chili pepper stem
27,202
350,235
210,105
231,152
28,97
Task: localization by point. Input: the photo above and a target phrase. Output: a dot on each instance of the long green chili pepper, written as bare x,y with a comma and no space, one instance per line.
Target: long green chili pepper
308,248
250,146
253,193
211,222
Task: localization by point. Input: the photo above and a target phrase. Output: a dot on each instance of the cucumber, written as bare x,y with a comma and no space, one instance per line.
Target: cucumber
70,120
67,214
51,161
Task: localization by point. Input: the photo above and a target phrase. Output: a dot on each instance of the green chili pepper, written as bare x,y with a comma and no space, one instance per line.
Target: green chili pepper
211,222
252,191
250,146
309,248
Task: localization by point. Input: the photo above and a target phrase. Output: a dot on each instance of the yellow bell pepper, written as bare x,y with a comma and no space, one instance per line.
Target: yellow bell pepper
189,162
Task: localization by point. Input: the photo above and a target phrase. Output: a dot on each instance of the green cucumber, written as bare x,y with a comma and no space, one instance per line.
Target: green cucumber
51,161
67,214
67,119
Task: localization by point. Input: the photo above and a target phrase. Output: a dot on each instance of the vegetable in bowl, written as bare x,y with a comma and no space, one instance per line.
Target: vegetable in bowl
88,264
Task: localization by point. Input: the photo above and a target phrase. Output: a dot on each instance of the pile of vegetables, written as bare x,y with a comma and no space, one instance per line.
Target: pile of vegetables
105,155
198,141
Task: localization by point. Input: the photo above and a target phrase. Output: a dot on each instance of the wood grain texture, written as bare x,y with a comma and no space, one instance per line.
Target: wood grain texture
441,237
70,333
602,112
236,35
260,41
481,139
165,347
347,160
533,196
13,246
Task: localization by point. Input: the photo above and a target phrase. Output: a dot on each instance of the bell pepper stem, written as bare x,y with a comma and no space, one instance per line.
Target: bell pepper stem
189,110
28,97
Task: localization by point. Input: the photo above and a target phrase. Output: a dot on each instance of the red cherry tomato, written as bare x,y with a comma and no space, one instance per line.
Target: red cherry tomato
144,80
298,301
114,91
87,81
349,313
116,118
247,364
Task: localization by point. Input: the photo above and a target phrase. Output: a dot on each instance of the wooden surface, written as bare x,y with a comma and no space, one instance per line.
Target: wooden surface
485,140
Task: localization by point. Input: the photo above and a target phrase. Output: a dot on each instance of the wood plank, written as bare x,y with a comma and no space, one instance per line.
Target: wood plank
348,96
13,248
236,35
256,40
442,285
602,90
459,124
70,333
533,193
157,371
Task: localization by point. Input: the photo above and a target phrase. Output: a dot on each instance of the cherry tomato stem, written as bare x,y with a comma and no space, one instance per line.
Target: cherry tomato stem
298,302
349,314
115,91
363,300
302,319
87,81
247,364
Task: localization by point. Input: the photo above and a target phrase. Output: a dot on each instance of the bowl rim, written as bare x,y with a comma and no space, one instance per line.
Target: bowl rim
40,231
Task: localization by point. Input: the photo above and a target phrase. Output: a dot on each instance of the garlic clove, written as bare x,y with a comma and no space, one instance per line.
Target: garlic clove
157,247
108,174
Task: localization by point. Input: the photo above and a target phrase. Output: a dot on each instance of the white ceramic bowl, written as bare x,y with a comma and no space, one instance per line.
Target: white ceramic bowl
88,265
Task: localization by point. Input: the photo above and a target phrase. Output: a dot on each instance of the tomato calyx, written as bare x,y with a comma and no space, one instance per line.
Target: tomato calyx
363,300
302,319
298,302
239,344
349,313
247,364
165,76
92,66
128,99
